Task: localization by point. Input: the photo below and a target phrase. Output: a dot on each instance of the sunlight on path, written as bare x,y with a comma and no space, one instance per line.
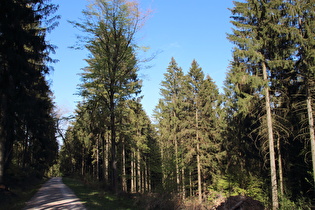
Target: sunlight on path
55,195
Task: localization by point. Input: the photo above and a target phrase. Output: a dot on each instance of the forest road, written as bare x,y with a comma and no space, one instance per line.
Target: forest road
54,194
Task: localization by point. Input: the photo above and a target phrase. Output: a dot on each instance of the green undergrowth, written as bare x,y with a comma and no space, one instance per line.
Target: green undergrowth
17,194
94,197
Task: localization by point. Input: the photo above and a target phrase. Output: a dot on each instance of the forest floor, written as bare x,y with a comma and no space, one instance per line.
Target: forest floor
55,195
18,191
96,197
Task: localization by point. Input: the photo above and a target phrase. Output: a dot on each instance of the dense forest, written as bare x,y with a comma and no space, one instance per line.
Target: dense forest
28,146
254,138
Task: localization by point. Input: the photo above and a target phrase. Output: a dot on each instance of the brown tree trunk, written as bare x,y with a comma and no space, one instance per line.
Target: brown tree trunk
190,184
97,159
198,160
1,157
3,106
82,162
183,183
273,172
105,157
114,170
311,126
133,168
281,184
138,171
124,180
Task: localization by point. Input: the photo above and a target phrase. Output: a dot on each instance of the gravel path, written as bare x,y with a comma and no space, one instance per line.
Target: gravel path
55,195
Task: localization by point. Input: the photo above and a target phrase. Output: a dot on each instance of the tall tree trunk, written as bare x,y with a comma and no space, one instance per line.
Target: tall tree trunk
183,183
133,168
138,171
124,180
1,155
281,184
82,162
114,170
199,174
105,156
311,126
3,113
273,172
176,154
190,184
198,160
97,159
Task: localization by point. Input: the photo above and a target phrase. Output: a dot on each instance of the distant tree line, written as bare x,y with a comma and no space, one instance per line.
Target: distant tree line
28,146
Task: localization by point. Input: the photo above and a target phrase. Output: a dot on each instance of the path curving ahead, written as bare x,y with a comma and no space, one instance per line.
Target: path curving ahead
55,195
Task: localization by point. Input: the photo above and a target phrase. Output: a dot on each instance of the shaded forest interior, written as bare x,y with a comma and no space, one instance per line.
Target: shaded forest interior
255,139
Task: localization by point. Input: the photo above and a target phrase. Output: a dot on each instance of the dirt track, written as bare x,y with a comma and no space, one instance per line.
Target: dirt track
55,195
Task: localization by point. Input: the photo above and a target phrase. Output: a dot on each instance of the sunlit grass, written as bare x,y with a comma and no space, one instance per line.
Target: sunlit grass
96,198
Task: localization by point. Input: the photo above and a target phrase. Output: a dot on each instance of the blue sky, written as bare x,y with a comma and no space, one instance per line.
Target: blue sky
183,29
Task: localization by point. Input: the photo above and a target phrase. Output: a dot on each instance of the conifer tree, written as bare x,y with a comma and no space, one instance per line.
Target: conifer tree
303,20
264,49
24,54
112,72
169,113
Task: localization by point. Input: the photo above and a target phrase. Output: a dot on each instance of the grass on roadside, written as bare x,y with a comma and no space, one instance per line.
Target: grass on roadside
97,198
16,197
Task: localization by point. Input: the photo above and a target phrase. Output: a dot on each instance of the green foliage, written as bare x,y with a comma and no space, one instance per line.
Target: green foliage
27,127
21,189
230,187
96,198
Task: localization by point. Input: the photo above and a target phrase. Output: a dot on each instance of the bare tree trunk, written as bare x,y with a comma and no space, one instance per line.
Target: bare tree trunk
1,157
124,180
138,171
114,170
82,162
281,185
3,116
105,157
273,172
97,159
149,178
190,184
198,159
199,174
176,155
183,183
132,184
311,126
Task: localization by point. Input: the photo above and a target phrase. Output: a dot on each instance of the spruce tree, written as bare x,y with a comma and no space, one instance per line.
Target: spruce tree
168,114
264,49
24,54
112,72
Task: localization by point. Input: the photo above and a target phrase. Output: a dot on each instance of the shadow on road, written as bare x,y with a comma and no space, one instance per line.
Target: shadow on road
55,195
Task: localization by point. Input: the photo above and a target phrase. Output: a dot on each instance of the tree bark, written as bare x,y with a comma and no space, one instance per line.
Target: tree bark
124,180
176,154
133,183
114,170
1,157
105,156
97,159
138,171
183,183
311,126
273,172
3,110
281,184
199,174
